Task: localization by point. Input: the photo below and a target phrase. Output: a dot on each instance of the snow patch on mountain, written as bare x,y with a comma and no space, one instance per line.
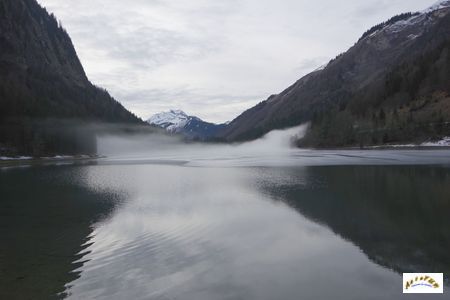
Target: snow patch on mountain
400,25
419,17
438,5
445,142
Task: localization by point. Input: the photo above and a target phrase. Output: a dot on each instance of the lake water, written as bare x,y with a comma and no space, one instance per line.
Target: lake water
302,225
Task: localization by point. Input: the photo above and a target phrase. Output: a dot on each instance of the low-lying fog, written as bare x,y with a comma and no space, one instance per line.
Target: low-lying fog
274,149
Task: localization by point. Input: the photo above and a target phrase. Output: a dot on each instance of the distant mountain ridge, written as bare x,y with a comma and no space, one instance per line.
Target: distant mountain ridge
42,82
393,85
178,122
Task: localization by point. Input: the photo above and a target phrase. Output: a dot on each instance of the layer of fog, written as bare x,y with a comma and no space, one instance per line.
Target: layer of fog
274,149
277,143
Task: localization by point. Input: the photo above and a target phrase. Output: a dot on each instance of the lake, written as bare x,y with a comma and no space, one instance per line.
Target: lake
303,225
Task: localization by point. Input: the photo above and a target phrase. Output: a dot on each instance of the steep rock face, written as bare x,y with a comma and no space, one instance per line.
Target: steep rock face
41,78
177,121
354,81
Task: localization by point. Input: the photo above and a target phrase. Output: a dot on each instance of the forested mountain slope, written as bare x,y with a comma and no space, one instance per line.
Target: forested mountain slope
44,92
392,86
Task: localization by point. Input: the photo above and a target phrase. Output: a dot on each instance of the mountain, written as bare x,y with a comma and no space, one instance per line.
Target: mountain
392,86
177,121
44,91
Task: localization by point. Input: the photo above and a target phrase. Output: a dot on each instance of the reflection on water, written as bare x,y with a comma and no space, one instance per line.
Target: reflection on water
45,219
182,232
399,216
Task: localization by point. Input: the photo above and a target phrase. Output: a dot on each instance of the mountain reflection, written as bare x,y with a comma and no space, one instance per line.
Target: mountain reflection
398,216
46,221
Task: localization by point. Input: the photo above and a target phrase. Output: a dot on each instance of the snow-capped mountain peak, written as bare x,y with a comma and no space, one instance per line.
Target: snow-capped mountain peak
177,112
171,120
177,121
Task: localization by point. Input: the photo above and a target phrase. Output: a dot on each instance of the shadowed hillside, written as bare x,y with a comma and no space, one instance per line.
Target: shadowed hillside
44,90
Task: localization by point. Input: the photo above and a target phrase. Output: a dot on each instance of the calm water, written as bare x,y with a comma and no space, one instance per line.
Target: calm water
314,225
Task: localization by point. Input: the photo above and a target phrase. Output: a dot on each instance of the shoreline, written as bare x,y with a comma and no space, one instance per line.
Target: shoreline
29,161
383,147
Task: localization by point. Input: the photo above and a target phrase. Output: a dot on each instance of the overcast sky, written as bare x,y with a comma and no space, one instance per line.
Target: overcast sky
212,58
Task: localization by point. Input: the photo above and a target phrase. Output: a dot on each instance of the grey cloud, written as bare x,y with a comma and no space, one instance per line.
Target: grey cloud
142,46
311,64
370,8
192,101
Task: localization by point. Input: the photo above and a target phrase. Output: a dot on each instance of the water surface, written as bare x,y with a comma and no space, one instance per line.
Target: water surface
307,225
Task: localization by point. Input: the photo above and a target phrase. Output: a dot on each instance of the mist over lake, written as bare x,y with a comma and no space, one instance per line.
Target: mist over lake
249,221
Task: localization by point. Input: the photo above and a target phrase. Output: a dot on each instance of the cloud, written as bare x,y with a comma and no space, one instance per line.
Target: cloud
208,106
213,59
311,64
